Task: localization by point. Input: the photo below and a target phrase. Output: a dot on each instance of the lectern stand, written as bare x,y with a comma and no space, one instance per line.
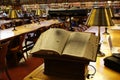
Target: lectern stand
65,68
56,69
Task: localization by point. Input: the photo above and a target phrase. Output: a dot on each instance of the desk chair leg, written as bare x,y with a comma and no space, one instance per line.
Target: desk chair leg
26,49
6,71
26,54
23,55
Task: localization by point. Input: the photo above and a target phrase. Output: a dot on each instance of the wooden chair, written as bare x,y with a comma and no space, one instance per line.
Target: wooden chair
32,37
30,40
3,63
15,51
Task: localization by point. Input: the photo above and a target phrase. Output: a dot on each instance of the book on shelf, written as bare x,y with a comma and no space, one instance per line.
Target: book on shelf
61,42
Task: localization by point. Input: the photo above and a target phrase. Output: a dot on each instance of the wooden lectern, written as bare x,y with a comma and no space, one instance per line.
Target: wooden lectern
69,56
65,68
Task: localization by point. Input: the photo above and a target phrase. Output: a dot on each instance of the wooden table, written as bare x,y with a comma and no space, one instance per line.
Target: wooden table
8,33
102,72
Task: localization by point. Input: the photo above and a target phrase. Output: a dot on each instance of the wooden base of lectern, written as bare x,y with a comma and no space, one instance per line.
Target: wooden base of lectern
64,68
59,70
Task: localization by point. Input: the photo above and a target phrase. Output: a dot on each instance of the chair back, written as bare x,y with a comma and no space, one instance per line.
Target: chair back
16,43
3,52
15,51
22,37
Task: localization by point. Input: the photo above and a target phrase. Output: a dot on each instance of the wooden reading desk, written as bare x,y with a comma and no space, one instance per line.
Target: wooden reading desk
102,72
8,33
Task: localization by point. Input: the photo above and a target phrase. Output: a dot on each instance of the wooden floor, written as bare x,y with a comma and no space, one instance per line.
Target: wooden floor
102,72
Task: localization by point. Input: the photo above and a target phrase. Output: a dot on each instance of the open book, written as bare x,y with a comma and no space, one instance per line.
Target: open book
57,41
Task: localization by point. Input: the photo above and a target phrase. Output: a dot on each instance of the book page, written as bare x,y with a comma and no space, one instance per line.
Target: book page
80,45
91,48
53,39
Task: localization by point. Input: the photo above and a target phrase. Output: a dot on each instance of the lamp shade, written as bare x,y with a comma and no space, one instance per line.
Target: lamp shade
13,14
99,16
38,12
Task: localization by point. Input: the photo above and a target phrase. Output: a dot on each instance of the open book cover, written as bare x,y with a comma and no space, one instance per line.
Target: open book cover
57,41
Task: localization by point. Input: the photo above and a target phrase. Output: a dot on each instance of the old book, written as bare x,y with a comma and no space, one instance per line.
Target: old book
57,41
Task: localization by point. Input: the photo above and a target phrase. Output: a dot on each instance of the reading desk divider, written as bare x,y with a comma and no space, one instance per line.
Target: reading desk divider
65,65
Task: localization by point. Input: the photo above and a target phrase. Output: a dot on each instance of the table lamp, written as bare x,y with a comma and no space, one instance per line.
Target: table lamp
38,12
99,17
13,15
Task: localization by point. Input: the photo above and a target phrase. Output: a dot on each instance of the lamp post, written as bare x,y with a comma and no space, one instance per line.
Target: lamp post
99,17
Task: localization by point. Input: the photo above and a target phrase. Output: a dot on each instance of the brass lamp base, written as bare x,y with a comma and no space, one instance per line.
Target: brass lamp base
106,31
99,53
14,29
